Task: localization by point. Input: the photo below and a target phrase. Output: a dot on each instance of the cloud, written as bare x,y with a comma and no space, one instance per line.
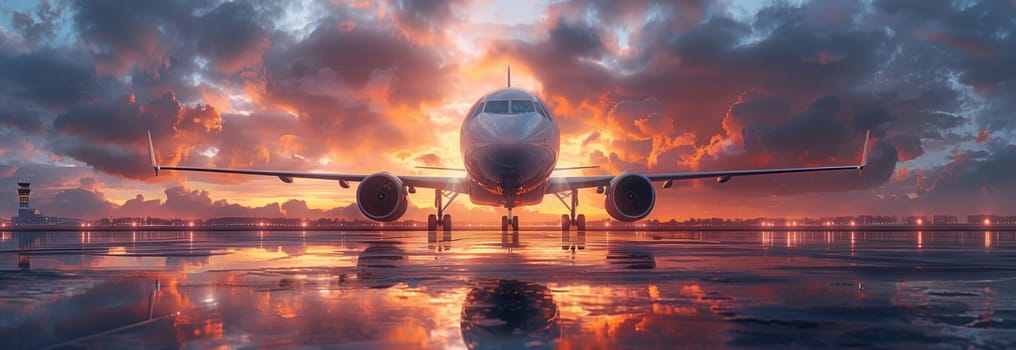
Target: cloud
42,25
111,136
641,86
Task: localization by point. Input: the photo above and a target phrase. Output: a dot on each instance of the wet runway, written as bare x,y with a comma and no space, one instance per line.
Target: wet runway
482,290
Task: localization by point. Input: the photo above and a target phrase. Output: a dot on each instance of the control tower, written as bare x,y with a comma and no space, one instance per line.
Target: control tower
27,215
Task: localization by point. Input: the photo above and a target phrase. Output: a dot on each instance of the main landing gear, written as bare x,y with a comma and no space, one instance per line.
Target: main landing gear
567,221
441,219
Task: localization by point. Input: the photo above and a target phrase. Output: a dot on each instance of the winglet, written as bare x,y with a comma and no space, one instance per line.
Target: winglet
151,153
864,152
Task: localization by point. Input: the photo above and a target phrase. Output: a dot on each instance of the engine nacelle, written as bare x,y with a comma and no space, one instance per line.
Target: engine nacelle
630,197
382,197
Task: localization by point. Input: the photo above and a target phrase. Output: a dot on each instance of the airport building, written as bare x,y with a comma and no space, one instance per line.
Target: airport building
30,216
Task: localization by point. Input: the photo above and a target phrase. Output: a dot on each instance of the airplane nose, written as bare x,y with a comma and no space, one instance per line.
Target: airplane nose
509,157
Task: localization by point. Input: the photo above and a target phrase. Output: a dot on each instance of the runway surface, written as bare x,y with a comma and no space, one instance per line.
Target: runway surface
595,290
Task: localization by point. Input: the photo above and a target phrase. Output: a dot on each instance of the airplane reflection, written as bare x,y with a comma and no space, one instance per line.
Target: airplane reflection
377,266
445,241
510,314
631,256
510,239
570,243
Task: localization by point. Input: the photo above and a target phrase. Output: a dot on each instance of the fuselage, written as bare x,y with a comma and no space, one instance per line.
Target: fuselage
510,144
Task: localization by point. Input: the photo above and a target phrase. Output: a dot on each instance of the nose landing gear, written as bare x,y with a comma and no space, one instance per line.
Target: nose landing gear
513,222
509,220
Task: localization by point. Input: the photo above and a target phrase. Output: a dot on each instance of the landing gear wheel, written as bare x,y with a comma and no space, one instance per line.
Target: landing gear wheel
515,224
504,223
565,222
431,222
446,223
580,222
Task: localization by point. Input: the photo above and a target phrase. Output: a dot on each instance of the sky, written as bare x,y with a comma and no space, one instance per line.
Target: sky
646,86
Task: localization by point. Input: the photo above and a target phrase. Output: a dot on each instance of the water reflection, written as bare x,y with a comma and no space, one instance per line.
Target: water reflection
510,314
378,265
602,290
631,256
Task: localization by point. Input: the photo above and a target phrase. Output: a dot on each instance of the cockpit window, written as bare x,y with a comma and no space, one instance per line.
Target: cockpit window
499,107
473,110
543,110
477,108
519,107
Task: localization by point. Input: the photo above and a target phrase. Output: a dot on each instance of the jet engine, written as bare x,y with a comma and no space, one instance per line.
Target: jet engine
382,197
630,197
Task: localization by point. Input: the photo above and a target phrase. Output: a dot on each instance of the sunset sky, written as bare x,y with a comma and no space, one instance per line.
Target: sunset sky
646,86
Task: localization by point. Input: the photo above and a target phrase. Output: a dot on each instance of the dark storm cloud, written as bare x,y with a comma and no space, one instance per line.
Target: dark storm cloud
352,58
972,39
558,60
818,136
230,37
48,77
110,136
790,85
38,25
135,67
78,203
879,71
977,172
128,33
907,146
423,18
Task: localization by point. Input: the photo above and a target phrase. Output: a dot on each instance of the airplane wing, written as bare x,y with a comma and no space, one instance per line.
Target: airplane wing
446,183
568,183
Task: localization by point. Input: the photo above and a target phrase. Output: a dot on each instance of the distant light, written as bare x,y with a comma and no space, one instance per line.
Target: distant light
853,223
191,224
82,225
919,221
304,224
134,224
987,222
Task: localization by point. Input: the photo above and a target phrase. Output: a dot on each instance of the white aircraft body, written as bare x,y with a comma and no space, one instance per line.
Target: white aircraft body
510,145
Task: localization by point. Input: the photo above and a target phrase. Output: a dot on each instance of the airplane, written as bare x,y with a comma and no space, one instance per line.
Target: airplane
510,144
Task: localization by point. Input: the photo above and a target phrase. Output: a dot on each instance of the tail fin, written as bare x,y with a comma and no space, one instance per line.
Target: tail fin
509,75
151,153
